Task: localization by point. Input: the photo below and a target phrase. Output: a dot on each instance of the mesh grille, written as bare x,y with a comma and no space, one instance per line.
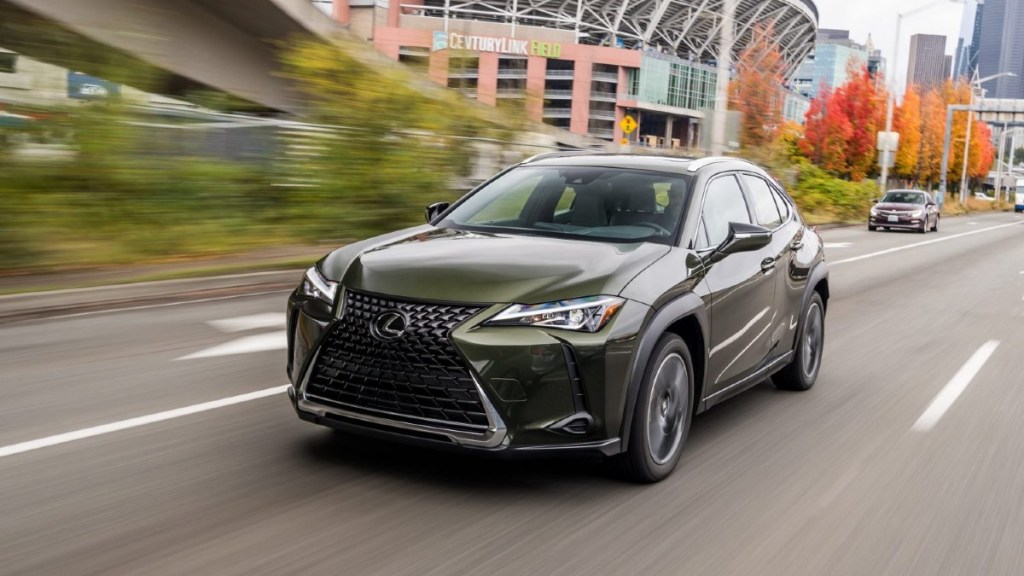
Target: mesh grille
417,375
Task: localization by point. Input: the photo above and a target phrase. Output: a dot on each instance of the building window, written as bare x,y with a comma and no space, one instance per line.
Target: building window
8,62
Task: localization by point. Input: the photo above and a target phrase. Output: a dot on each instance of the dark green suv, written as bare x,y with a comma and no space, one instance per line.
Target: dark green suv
575,303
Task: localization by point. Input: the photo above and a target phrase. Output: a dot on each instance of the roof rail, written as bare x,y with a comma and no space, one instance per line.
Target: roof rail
702,162
558,154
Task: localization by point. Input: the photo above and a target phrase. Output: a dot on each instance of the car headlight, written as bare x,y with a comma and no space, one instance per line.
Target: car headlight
588,314
874,212
314,285
916,213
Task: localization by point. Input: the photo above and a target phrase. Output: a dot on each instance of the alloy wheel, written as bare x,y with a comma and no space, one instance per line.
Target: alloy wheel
667,405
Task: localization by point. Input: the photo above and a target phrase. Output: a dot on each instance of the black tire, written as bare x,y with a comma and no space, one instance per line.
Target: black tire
802,371
872,228
644,461
935,227
924,226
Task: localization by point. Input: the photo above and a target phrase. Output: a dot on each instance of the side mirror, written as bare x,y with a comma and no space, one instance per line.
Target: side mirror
874,200
742,238
433,210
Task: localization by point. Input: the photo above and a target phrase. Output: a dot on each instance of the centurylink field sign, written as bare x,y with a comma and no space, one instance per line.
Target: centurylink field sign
500,44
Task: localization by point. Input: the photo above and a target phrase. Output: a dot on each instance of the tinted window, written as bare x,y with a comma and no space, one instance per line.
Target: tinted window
765,209
781,202
582,202
904,197
723,204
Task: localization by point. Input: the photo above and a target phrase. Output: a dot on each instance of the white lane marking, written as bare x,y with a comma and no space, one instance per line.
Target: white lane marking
251,322
152,283
136,422
916,244
838,244
256,343
956,385
163,305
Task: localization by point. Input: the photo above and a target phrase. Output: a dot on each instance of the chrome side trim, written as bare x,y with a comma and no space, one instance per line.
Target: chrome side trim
753,378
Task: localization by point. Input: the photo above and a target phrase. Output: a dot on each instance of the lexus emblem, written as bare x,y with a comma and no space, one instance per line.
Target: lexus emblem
389,325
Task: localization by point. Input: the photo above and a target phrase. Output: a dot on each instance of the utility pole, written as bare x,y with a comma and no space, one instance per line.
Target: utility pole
718,132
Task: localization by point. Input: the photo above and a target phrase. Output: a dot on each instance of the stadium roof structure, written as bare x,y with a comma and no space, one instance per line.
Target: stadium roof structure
689,29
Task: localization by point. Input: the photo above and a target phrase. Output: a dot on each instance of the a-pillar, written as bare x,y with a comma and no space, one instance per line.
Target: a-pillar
579,122
487,79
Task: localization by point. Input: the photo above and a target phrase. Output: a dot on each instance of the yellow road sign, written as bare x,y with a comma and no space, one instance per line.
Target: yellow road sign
624,142
628,124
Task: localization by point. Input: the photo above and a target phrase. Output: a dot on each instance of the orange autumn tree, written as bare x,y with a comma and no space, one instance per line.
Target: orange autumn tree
826,130
982,153
933,127
841,127
908,123
756,90
863,103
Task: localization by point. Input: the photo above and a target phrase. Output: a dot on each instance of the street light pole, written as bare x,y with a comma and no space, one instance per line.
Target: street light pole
892,83
975,83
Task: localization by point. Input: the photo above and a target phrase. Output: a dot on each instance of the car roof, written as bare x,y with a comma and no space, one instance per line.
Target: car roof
637,161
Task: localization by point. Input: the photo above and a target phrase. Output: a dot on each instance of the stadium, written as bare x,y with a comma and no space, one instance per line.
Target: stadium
584,65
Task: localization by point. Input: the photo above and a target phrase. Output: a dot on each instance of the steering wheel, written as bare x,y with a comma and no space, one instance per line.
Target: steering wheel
656,227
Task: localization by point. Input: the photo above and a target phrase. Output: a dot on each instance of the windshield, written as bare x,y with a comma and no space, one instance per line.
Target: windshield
587,203
903,197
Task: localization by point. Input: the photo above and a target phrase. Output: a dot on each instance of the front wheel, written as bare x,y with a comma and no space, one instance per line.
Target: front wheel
935,227
802,371
662,414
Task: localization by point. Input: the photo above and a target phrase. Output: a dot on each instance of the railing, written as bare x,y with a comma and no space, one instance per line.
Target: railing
557,113
604,96
560,73
511,92
606,76
602,115
512,74
558,94
463,72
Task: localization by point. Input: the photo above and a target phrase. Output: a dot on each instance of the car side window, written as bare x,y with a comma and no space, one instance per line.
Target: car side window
701,241
723,203
781,203
765,208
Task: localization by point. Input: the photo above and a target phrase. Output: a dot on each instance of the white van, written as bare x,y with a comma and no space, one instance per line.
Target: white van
1018,202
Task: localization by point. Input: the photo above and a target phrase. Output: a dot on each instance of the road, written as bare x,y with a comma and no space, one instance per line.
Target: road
849,478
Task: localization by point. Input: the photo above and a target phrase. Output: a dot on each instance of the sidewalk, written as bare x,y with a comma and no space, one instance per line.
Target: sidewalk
54,293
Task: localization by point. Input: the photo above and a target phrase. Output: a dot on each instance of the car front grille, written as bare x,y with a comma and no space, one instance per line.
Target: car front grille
418,375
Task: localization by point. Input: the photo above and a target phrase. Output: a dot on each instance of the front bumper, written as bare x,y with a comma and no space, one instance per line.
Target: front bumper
543,391
883,221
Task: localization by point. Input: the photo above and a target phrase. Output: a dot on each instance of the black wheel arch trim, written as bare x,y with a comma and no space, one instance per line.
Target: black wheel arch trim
687,305
818,273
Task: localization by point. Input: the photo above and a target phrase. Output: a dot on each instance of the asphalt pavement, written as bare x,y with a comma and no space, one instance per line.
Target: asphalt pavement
131,443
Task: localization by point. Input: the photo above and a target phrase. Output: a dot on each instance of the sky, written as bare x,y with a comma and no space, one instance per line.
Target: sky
878,17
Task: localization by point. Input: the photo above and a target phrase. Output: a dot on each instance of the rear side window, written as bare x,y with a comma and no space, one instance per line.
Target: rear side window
723,203
765,208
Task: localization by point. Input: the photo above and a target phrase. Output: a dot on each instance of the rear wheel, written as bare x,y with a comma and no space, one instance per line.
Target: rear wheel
662,414
802,371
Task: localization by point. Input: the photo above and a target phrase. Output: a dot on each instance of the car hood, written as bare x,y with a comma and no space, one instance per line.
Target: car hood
898,206
428,263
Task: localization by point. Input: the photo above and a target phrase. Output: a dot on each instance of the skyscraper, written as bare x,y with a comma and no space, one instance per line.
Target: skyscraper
965,58
1001,47
827,66
927,60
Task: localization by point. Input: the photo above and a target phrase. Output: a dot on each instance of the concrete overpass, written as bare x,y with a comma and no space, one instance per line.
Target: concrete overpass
226,45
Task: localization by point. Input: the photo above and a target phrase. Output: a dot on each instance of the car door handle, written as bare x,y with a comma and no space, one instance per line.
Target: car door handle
767,264
796,244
